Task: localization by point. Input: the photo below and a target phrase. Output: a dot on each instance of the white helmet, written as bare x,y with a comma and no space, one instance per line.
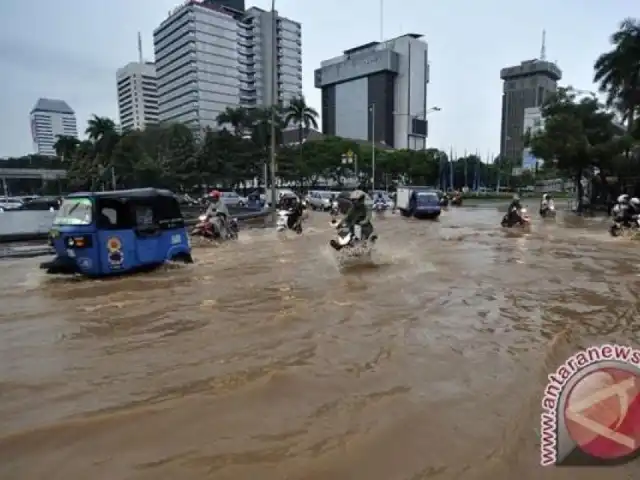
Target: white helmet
357,195
545,196
635,201
623,198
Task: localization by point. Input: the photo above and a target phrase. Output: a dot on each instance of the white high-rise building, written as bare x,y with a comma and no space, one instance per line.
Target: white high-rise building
210,57
256,51
137,95
51,119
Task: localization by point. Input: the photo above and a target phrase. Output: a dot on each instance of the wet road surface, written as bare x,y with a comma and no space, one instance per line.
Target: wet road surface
263,361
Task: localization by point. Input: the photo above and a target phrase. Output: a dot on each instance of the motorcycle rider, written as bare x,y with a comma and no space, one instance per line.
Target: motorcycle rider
621,207
217,207
295,209
546,204
633,212
513,216
379,200
358,214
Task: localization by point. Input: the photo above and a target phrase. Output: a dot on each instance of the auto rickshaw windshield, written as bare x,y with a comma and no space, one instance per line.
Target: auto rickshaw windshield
75,211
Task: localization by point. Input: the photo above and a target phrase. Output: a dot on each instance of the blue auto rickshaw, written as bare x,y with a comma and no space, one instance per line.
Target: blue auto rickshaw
123,231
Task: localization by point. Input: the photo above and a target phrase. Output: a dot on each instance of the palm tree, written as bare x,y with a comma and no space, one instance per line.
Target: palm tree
104,136
302,115
99,128
66,146
618,71
238,118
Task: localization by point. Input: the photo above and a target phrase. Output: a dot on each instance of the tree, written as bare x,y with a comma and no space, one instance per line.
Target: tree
240,119
577,136
66,146
618,71
300,114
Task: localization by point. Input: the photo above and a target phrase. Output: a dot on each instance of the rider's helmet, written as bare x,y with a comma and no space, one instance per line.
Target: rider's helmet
516,197
357,196
623,198
635,202
214,195
545,196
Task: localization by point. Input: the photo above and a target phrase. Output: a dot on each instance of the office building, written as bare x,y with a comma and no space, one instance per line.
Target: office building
137,95
213,54
527,85
377,91
256,62
51,119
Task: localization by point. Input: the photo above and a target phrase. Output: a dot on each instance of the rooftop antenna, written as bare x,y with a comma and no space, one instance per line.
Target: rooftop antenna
543,48
140,47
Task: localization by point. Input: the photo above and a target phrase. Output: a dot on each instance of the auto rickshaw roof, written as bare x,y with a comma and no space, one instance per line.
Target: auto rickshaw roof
133,193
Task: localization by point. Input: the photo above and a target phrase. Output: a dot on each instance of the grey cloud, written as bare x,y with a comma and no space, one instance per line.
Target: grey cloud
45,60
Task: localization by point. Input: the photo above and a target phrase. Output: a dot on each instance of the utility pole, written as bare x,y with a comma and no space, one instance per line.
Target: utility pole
274,81
372,109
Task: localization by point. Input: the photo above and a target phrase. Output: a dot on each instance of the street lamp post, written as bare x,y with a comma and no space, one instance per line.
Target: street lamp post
274,80
372,109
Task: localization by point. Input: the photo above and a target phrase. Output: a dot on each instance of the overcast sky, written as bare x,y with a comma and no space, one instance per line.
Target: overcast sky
70,49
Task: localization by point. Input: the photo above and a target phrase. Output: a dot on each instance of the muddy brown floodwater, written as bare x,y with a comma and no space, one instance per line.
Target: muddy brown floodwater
262,361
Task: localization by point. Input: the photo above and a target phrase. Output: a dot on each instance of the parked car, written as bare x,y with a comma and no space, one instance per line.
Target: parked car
320,200
232,199
9,204
41,204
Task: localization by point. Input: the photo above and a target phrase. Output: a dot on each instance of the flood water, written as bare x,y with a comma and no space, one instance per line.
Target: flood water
263,361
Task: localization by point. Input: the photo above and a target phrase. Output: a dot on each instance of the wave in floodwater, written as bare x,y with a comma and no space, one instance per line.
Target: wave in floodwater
264,360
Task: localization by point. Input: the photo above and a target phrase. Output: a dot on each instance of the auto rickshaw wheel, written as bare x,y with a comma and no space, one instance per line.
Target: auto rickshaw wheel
182,257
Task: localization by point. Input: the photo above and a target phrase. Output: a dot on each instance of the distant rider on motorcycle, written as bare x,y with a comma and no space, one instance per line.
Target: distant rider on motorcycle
295,209
621,208
546,204
633,212
379,201
358,214
513,213
218,208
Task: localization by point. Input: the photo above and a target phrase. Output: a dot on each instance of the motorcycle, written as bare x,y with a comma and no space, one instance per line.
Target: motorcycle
457,201
213,228
624,227
353,239
282,224
524,222
549,211
379,208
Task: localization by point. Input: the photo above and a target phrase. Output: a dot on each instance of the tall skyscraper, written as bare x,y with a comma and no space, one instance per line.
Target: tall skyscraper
525,86
377,91
50,119
211,55
137,95
256,52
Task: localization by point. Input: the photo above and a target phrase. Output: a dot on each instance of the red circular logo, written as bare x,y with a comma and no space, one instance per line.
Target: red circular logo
602,413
